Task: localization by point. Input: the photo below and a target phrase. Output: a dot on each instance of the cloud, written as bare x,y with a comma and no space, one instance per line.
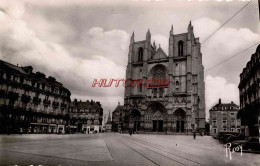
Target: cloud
218,87
223,44
20,44
111,44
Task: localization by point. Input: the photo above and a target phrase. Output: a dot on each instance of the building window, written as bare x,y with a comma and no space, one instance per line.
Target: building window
161,90
214,122
140,88
140,54
180,48
155,92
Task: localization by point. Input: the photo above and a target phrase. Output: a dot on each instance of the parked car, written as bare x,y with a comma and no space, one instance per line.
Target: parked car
221,133
235,138
225,137
250,143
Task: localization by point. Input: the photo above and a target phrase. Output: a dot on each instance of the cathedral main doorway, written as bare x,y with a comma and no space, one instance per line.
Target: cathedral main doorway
158,125
155,115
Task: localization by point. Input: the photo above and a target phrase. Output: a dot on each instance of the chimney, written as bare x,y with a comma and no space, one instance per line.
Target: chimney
118,103
219,101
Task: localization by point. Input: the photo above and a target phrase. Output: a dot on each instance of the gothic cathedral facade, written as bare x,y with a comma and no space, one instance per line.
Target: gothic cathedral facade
178,107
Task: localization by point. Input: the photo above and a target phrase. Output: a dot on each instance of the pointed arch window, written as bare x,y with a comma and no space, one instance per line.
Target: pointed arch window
140,54
180,48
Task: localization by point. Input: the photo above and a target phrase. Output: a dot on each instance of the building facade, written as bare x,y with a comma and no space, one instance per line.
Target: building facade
178,107
249,91
31,102
223,117
117,118
86,117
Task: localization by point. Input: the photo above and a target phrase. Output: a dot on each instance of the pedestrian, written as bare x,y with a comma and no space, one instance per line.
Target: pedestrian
130,132
194,135
21,131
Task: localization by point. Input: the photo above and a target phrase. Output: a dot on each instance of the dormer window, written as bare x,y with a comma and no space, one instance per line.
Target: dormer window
140,54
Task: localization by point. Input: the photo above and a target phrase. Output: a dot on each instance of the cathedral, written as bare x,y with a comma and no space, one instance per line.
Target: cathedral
176,108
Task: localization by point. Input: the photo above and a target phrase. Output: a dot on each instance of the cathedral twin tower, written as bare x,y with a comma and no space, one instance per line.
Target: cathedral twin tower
178,107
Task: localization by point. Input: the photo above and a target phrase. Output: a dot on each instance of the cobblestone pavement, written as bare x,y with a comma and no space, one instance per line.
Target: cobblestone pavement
117,149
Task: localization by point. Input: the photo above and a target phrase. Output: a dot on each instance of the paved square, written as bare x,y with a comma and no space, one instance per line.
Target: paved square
117,149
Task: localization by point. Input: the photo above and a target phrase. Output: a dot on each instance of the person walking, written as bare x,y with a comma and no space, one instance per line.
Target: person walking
194,135
21,131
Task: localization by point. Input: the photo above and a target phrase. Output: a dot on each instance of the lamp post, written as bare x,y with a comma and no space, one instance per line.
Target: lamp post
166,124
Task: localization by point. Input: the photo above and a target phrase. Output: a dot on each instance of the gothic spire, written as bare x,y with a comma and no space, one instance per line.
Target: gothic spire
190,27
171,32
154,46
148,35
132,40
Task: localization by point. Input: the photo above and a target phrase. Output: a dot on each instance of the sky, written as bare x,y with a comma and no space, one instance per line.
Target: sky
77,41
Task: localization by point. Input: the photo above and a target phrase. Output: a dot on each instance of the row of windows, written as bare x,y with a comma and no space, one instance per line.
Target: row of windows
225,108
32,83
232,114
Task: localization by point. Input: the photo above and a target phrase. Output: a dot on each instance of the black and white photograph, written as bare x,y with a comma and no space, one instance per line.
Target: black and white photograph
130,83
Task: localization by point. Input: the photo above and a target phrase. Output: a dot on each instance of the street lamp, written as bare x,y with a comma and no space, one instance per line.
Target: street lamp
166,125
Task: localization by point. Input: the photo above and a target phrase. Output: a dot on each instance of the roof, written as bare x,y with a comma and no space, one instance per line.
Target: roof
118,108
227,105
28,74
159,54
86,105
11,67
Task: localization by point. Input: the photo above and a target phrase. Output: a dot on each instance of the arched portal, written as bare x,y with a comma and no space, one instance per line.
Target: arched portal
180,116
155,117
135,117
